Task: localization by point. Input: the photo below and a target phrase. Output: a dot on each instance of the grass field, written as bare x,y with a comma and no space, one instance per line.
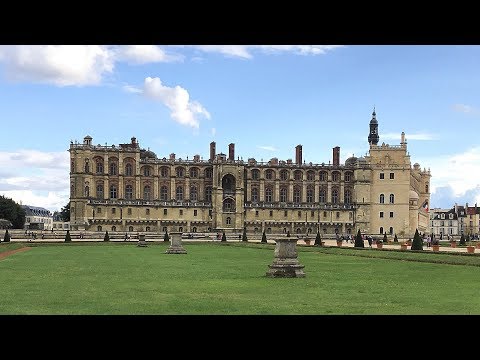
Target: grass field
213,278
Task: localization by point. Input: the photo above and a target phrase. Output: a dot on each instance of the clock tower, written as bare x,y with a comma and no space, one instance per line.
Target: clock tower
373,135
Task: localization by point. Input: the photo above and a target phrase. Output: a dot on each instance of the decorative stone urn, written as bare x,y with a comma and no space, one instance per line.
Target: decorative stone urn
471,249
176,244
141,241
285,264
435,247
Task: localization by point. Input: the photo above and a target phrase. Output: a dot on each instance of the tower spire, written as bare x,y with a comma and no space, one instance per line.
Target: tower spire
373,135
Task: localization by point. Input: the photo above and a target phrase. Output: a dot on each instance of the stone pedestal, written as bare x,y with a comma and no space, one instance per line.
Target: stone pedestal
141,241
176,244
286,263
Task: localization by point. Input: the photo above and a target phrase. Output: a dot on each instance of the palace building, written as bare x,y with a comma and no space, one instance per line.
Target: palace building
127,188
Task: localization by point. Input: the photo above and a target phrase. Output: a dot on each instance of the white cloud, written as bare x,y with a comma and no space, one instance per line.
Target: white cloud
132,89
459,171
40,179
418,136
467,109
244,51
142,54
268,148
61,65
177,99
213,131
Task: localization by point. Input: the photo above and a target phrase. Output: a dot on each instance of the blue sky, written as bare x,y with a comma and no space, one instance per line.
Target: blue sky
265,99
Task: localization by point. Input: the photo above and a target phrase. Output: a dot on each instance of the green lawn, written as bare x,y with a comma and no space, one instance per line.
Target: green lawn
120,278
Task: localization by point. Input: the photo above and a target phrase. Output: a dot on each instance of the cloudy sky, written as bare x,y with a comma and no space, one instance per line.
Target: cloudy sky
265,99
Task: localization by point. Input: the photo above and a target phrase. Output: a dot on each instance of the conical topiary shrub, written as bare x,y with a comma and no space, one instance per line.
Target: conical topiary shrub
417,243
106,237
68,238
264,237
6,238
359,240
224,237
462,240
244,236
318,239
385,239
288,233
166,237
395,239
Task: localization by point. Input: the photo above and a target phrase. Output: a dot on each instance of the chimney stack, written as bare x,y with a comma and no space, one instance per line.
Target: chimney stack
298,155
402,141
336,156
212,150
231,152
172,156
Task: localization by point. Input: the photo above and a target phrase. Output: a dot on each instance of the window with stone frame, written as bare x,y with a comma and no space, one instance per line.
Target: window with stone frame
298,175
113,191
284,175
194,173
164,172
347,197
147,192
297,195
334,196
164,193
254,194
269,174
310,175
310,194
323,176
128,169
255,174
322,197
99,190
179,193
283,194
128,192
193,193
268,194
179,171
208,194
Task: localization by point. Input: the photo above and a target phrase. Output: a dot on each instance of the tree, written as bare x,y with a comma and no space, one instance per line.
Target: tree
13,212
395,239
68,238
6,238
166,237
224,237
106,237
264,237
65,212
462,240
244,237
385,240
318,239
358,240
417,243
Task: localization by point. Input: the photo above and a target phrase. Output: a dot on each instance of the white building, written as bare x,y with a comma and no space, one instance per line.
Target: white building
37,218
443,222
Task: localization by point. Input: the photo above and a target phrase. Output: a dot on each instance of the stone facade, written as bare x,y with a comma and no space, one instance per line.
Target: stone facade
126,188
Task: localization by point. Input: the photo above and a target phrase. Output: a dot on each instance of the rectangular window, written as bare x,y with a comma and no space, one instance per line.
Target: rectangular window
256,212
392,175
147,211
113,210
312,213
194,212
271,213
299,214
391,214
99,210
381,214
324,214
382,176
210,213
164,211
181,212
129,211
285,213
338,214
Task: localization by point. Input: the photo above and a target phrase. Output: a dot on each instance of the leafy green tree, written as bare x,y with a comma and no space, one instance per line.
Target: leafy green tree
264,237
385,239
106,237
417,243
166,237
68,238
462,240
359,240
244,236
395,239
13,212
318,239
6,238
65,212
